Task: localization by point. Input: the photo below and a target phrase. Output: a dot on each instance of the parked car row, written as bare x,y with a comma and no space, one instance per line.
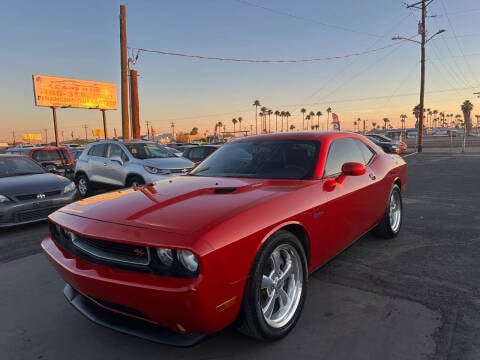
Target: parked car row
111,164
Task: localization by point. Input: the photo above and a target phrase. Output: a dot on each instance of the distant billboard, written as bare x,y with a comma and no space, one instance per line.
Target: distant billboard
98,132
63,92
37,137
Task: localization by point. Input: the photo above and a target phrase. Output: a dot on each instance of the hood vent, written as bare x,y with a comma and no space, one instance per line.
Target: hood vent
227,190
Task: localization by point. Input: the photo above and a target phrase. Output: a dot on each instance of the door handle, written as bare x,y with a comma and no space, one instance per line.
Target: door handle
372,176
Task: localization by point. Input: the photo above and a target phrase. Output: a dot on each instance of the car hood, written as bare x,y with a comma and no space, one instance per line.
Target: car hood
183,204
168,163
27,184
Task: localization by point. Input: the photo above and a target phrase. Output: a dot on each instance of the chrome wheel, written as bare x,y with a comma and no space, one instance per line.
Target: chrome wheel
395,212
281,286
82,185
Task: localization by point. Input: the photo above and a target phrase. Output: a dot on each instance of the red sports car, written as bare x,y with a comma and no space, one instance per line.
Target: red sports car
231,242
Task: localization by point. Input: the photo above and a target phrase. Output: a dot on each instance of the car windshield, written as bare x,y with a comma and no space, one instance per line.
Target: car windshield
148,151
269,159
16,166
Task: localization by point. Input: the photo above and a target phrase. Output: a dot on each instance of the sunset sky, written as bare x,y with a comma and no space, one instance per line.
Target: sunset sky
359,72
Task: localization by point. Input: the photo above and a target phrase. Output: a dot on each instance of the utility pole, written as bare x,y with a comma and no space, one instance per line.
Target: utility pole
46,135
134,108
104,117
14,137
422,5
124,73
85,126
148,130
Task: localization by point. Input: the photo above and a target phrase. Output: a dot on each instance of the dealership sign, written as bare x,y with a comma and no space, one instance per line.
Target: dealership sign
63,92
36,137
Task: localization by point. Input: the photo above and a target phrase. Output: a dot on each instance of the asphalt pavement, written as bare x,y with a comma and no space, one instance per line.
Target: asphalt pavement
413,297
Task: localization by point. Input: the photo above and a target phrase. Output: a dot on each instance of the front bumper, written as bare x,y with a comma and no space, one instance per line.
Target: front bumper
184,306
25,212
102,315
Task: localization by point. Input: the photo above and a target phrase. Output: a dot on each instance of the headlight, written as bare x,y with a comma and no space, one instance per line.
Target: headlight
153,170
165,256
174,262
4,199
188,260
70,187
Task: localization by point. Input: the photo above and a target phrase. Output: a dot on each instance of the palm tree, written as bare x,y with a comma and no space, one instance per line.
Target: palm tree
467,108
385,121
292,127
240,123
312,115
319,113
282,115
402,120
264,111
416,112
270,112
234,121
374,124
457,120
303,111
277,113
308,119
256,103
287,115
355,126
329,110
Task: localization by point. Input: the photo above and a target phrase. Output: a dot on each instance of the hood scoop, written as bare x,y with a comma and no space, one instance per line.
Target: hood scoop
224,190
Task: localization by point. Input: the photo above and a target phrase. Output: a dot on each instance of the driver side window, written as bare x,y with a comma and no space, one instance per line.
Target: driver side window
342,151
115,150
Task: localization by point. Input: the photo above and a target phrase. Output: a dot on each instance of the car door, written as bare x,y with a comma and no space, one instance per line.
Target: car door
95,167
344,215
114,170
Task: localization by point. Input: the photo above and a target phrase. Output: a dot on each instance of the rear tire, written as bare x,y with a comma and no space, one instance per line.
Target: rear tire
83,185
276,289
390,225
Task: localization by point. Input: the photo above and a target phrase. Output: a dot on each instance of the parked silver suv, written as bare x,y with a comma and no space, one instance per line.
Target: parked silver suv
126,164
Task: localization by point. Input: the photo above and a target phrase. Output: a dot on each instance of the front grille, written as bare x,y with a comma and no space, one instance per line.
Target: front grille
30,215
34,196
124,253
176,171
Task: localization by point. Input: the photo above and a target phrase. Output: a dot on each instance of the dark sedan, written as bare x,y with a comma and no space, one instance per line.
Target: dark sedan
387,146
28,193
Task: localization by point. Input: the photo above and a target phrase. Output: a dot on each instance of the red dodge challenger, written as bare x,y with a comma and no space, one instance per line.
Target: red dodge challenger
231,242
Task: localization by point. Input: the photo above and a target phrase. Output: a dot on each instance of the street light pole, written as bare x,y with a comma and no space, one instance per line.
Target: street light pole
423,33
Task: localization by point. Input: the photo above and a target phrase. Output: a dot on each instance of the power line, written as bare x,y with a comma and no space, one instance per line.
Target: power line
297,17
217,58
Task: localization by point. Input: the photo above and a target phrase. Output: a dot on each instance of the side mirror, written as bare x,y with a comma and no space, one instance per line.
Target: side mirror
348,169
117,158
353,169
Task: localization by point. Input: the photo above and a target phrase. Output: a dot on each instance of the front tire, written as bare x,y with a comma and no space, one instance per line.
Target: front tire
135,181
390,225
276,288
